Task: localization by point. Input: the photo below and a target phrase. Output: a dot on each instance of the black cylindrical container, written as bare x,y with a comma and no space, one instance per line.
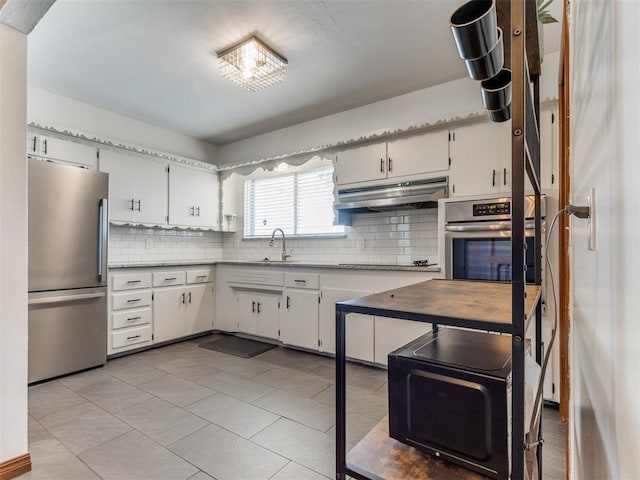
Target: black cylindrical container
496,91
483,68
501,115
474,27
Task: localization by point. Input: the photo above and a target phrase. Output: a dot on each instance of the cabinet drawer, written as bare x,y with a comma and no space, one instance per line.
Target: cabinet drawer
131,281
131,300
302,280
130,318
200,276
131,336
164,279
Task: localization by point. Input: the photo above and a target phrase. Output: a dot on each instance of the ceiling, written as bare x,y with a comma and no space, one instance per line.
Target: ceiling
154,60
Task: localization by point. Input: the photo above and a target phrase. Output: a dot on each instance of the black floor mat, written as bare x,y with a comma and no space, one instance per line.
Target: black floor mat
240,347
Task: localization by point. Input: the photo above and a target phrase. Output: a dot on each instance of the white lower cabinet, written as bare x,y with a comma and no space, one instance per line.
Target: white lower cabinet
169,319
141,315
360,338
129,312
300,318
258,314
392,333
200,299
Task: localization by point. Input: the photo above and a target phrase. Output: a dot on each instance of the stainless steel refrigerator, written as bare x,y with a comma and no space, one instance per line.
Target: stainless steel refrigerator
68,236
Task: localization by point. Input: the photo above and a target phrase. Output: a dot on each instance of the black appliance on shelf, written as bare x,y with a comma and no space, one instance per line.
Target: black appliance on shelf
450,396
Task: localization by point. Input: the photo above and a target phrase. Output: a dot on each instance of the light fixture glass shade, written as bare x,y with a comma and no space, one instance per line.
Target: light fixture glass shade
252,65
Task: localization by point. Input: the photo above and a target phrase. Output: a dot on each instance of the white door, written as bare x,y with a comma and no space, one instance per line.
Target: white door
268,316
183,184
361,164
300,318
206,199
247,313
199,308
392,333
137,188
418,155
68,151
169,306
359,340
474,160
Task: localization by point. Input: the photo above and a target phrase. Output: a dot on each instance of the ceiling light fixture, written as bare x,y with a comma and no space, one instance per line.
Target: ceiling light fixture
252,65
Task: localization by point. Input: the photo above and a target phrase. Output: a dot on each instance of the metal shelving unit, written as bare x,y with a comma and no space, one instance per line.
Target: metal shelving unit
524,301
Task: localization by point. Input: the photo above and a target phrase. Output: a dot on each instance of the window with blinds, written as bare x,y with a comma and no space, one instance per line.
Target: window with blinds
299,203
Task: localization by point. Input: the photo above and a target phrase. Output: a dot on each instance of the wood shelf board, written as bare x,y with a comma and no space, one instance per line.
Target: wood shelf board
448,302
386,458
503,10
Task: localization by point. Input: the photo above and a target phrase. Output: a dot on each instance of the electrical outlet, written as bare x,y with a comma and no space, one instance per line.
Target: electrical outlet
591,225
148,243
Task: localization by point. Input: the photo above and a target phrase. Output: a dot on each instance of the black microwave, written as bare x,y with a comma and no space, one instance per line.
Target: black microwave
449,396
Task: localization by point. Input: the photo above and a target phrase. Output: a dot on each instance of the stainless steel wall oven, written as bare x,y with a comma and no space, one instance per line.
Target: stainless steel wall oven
478,239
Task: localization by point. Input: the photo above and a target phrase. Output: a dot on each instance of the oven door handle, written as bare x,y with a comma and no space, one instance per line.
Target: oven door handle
486,227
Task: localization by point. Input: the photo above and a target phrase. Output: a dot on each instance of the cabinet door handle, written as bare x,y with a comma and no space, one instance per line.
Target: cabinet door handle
493,180
192,211
253,307
288,301
182,298
189,297
139,202
505,176
202,276
133,202
133,337
197,211
133,281
133,318
44,143
300,281
390,164
35,141
258,307
134,300
168,279
382,165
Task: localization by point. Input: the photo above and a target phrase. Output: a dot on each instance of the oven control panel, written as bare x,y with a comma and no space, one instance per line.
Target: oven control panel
497,208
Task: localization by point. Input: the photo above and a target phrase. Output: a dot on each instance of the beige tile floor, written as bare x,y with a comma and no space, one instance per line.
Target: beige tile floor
181,412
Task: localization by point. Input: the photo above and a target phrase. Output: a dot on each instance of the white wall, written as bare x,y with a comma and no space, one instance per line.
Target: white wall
13,244
449,100
62,113
605,323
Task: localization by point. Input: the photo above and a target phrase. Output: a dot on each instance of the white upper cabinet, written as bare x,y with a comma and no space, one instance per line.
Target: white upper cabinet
361,164
478,151
418,155
193,197
60,150
137,188
407,158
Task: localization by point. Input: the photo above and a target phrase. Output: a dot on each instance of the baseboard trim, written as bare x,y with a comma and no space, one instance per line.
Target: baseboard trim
15,467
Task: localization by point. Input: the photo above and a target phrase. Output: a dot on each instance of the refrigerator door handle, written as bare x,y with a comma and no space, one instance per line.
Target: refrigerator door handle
64,298
103,239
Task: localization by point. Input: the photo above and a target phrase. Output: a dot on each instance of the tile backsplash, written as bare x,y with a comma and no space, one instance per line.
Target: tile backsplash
381,237
156,245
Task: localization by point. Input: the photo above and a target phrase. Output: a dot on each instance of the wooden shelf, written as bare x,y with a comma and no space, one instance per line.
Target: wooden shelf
461,303
378,456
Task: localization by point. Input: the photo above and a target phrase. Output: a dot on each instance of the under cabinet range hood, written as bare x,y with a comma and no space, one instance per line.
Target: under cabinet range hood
391,196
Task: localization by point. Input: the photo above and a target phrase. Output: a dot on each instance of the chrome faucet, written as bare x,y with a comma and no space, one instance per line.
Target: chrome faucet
285,255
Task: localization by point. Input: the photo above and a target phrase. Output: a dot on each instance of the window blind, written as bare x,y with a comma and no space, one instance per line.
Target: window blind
299,203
